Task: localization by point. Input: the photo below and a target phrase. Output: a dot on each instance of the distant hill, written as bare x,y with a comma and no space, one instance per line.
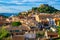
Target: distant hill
45,8
4,16
7,14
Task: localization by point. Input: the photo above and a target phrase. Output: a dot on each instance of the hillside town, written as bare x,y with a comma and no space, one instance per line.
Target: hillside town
44,24
31,25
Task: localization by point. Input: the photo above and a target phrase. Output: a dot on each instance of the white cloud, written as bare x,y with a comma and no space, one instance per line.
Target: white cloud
30,0
51,2
22,5
12,2
13,9
35,0
3,10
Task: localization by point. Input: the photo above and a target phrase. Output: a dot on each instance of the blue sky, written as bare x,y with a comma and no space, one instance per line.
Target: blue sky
16,6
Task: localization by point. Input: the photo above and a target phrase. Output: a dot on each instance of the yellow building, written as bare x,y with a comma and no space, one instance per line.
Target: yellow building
57,21
37,18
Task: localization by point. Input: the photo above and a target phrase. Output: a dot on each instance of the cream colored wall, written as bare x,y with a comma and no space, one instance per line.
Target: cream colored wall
37,18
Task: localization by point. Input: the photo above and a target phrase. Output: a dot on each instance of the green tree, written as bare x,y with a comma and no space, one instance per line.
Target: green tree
39,34
34,8
16,23
3,33
45,8
58,30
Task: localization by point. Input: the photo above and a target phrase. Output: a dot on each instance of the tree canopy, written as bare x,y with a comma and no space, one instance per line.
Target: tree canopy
58,29
16,23
45,8
3,33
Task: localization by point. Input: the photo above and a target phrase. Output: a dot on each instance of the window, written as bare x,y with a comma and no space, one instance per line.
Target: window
17,33
11,31
16,30
46,25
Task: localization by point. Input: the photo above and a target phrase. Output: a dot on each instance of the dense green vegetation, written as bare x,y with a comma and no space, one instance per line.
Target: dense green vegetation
16,23
58,30
45,8
38,35
3,33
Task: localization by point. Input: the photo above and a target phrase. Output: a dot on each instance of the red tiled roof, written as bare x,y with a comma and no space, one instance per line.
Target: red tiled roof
54,34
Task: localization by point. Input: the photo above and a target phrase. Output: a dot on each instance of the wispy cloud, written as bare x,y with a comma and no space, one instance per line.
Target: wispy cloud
23,5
